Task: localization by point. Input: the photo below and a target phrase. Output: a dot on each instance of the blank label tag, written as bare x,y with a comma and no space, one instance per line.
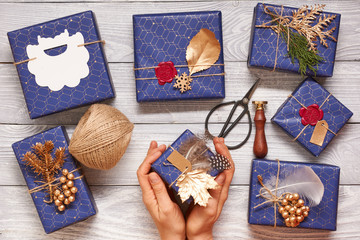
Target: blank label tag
179,161
319,133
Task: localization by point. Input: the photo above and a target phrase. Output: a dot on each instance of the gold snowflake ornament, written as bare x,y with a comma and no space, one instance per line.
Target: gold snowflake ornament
183,82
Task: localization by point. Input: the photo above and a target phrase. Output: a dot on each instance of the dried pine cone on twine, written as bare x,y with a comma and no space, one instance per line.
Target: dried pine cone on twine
101,137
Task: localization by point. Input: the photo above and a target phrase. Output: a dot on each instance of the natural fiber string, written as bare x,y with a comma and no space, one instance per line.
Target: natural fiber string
273,197
101,137
181,66
185,168
80,45
281,21
301,132
50,184
206,75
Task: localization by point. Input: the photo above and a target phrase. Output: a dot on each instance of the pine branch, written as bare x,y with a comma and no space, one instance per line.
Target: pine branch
33,161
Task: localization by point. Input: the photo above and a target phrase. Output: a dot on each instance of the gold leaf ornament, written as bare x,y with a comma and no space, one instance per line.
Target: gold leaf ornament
203,51
196,184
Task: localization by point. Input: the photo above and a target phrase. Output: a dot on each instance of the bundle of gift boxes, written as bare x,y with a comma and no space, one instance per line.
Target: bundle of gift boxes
160,38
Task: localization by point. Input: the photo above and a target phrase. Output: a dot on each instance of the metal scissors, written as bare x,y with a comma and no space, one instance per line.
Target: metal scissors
226,129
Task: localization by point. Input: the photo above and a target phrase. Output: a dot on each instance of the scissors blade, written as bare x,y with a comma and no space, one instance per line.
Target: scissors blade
251,90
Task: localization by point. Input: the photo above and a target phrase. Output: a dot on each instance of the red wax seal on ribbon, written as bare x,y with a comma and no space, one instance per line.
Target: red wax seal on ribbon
311,115
165,72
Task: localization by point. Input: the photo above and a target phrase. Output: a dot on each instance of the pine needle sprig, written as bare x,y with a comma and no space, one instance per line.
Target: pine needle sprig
42,162
300,36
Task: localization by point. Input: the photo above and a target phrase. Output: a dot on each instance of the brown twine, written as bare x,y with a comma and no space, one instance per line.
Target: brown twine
80,45
301,132
50,185
185,168
273,197
205,75
101,137
182,66
281,21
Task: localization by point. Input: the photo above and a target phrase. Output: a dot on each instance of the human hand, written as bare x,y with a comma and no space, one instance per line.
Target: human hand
201,220
165,213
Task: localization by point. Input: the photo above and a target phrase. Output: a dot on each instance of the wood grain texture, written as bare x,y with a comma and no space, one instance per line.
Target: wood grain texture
341,152
122,215
274,88
115,23
121,212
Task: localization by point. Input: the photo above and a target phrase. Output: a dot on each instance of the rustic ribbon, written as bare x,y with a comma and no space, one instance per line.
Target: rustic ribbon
282,20
301,132
80,45
51,185
183,66
273,198
186,169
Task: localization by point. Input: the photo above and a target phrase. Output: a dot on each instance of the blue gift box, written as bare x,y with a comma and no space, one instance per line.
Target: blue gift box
84,204
263,44
322,216
165,37
62,74
170,173
307,93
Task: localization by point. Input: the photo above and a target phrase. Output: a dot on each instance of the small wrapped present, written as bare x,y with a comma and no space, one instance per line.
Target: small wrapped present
299,40
293,194
189,167
178,56
312,116
56,184
61,64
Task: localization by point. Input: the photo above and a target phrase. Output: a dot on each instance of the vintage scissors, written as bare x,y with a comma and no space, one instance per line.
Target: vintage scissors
226,129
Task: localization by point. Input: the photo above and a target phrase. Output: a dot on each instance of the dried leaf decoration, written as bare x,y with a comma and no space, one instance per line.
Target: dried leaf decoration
202,181
202,51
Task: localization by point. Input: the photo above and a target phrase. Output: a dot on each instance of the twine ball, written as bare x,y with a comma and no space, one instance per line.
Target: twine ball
101,137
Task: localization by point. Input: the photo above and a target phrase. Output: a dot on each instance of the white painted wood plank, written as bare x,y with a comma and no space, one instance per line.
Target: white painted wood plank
343,151
275,88
122,215
115,23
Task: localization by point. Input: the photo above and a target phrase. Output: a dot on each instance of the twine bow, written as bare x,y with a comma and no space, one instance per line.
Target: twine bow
273,198
51,185
282,21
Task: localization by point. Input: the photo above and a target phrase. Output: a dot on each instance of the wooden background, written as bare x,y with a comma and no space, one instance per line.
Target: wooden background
121,212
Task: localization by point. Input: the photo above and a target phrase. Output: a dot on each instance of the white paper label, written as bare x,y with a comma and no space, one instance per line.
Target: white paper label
66,68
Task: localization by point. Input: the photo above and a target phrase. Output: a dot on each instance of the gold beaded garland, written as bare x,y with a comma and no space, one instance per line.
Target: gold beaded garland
67,195
293,210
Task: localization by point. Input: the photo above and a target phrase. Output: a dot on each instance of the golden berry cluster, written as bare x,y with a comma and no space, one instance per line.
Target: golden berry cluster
293,209
67,194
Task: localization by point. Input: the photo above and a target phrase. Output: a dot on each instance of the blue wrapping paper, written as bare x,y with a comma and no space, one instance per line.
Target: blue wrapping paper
263,44
93,87
84,204
165,37
322,216
170,173
311,92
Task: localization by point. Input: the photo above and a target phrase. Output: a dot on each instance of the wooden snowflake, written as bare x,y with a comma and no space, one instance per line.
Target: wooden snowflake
183,82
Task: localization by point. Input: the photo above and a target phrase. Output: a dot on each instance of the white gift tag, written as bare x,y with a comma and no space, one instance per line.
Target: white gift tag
66,68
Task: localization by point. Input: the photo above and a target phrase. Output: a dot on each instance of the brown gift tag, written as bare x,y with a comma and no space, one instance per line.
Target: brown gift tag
179,161
319,133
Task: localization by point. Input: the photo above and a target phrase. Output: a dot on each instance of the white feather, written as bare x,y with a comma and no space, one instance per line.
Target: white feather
302,180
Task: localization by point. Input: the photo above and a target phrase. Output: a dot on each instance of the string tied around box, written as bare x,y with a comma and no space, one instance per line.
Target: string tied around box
286,194
300,43
202,53
80,45
45,164
313,115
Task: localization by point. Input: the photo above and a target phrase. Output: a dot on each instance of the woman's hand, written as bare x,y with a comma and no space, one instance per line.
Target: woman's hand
201,220
165,213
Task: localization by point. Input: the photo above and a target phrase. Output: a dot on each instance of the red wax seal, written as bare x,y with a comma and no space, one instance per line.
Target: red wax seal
165,72
311,115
